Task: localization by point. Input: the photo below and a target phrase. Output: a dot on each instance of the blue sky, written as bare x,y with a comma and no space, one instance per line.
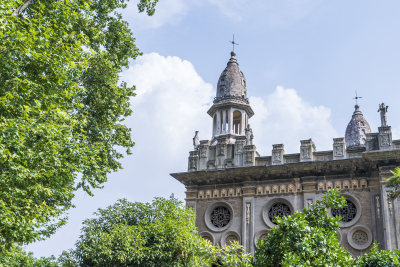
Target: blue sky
302,59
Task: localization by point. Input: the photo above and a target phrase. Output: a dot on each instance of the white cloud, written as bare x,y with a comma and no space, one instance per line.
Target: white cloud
171,103
283,117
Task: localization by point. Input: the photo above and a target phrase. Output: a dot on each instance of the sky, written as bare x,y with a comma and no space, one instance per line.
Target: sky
303,61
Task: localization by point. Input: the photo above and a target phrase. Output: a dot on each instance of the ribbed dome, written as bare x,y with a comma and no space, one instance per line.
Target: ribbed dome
231,83
356,130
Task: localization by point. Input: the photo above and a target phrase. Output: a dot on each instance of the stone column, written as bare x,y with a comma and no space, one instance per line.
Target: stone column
218,128
230,121
224,121
242,124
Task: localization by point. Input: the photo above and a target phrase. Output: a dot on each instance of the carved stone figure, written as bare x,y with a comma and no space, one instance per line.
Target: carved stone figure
196,141
383,110
249,135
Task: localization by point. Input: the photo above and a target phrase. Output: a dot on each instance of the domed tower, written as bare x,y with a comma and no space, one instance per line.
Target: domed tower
357,130
231,110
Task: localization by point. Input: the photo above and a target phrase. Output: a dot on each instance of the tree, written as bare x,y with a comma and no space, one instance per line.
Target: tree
394,182
61,107
305,239
378,258
161,233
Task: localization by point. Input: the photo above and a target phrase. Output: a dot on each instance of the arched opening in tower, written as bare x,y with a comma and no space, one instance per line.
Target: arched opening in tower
237,120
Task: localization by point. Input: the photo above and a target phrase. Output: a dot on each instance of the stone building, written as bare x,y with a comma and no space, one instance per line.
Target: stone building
236,193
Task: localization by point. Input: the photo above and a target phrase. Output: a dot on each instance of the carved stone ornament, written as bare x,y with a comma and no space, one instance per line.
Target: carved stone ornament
248,213
249,156
378,206
390,206
385,140
309,203
306,152
220,217
339,151
203,152
220,150
192,163
276,156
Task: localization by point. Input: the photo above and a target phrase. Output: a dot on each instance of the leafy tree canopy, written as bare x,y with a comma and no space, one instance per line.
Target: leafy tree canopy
61,107
161,233
394,182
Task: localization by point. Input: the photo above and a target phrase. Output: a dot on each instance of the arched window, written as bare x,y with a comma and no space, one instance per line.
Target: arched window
237,120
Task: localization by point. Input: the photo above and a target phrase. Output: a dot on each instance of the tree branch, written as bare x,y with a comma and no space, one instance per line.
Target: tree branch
21,8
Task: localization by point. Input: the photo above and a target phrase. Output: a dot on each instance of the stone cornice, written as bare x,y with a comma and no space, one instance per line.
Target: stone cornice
364,166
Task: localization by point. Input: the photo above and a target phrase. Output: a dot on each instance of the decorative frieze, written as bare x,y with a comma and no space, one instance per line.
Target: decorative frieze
284,188
342,185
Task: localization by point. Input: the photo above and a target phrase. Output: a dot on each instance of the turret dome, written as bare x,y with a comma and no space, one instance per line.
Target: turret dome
231,83
356,130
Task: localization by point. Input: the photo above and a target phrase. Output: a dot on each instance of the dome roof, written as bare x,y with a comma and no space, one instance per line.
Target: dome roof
356,130
231,83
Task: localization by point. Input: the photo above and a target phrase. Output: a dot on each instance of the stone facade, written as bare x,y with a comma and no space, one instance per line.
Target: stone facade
236,193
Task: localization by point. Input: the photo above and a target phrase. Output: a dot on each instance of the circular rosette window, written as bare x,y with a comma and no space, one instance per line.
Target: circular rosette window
359,237
350,213
219,216
230,238
276,208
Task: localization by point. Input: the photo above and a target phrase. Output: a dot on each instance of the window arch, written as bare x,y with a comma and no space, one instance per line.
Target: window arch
237,121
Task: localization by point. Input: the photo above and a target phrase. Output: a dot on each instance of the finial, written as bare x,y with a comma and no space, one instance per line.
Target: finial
233,45
356,98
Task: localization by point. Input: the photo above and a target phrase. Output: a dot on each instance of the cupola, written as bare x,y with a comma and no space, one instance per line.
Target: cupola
232,83
356,130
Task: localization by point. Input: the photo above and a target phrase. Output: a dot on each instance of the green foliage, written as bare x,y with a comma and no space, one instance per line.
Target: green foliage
394,182
378,258
18,257
61,107
305,239
161,233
